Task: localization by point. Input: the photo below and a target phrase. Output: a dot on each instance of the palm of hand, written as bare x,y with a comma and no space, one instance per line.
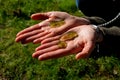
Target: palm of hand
41,31
81,45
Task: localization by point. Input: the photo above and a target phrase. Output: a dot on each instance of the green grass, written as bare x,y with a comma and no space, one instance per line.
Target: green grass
16,62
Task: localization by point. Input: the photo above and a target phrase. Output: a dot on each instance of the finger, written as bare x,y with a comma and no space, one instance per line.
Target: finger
47,45
59,31
55,15
86,51
44,36
53,54
29,29
34,27
50,15
34,37
38,39
39,16
25,35
46,50
47,40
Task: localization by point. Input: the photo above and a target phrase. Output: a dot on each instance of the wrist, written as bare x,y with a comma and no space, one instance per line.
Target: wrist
99,35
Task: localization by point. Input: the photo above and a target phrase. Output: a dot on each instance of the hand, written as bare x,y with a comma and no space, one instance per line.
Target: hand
41,31
82,45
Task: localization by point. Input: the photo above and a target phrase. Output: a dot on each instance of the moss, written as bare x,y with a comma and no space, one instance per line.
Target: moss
62,44
69,36
55,24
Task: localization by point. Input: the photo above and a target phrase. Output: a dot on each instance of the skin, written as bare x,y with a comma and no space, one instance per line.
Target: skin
82,45
49,37
43,30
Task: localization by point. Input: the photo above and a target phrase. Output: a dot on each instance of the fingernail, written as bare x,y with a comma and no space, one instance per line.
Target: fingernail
17,34
36,49
33,55
40,58
35,41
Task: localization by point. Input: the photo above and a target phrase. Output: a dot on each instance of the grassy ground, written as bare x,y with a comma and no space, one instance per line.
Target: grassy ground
16,62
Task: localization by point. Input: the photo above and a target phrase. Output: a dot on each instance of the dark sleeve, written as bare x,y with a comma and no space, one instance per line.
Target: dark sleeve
111,41
111,27
111,36
109,30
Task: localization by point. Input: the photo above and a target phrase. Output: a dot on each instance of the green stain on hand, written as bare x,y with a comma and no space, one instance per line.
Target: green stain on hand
55,24
62,44
69,36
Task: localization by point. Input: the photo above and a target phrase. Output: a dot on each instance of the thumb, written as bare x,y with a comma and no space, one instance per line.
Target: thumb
85,53
39,16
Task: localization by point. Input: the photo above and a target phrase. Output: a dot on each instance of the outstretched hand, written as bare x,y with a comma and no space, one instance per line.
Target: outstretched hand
82,45
43,30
